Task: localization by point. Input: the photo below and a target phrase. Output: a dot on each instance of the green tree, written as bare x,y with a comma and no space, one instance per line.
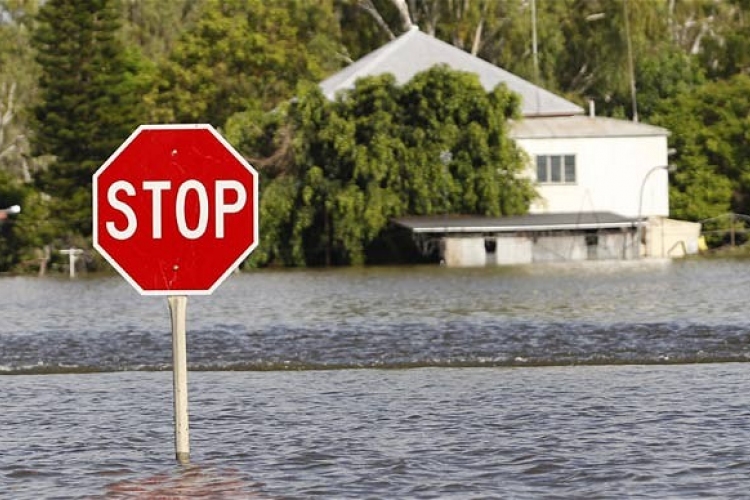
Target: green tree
344,168
721,36
246,54
23,236
12,192
582,51
18,74
90,100
360,33
710,129
155,25
664,75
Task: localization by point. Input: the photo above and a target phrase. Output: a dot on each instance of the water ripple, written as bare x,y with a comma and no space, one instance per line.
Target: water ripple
470,344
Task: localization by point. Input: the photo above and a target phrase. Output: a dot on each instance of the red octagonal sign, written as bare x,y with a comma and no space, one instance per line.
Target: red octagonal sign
175,209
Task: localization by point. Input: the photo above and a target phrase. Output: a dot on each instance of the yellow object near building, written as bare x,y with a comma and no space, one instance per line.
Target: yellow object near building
702,244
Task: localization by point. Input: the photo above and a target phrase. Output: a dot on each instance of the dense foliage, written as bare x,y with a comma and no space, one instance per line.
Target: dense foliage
77,76
436,145
245,54
711,135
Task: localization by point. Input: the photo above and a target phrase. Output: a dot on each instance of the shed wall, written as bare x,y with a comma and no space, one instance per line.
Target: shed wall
464,252
478,251
671,238
513,250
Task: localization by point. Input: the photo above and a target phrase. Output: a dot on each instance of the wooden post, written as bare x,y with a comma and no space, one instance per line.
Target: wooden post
44,257
178,312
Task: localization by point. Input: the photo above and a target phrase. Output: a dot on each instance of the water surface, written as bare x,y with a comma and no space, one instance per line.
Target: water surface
611,380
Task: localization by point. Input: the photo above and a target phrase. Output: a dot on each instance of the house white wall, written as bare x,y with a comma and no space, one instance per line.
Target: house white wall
609,176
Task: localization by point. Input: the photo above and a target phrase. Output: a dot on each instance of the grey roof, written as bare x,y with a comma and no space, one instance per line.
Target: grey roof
581,126
414,52
530,223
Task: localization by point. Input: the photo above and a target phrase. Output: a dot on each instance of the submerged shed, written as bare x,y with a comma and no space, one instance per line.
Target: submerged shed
523,239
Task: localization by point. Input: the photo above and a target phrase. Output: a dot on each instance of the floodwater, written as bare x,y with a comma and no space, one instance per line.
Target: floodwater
600,380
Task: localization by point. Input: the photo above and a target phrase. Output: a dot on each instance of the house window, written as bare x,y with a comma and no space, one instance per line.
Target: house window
556,169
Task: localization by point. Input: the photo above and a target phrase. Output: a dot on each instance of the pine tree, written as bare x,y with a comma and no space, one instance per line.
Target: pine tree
90,100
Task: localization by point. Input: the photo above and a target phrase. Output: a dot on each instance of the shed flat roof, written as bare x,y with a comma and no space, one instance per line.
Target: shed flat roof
530,222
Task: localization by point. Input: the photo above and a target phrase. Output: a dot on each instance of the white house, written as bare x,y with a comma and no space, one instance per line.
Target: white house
589,164
602,182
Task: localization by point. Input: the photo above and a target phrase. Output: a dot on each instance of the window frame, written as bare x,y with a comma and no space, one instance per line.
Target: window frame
556,169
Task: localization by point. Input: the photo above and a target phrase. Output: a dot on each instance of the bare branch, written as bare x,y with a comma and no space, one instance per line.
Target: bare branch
583,80
477,38
8,115
6,110
5,152
280,159
368,7
432,18
403,11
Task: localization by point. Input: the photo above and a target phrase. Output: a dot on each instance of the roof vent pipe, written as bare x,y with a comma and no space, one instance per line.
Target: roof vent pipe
592,108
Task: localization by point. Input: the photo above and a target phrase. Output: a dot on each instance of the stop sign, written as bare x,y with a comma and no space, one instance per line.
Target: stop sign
175,209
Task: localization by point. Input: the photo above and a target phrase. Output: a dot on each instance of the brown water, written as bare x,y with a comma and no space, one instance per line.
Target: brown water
602,381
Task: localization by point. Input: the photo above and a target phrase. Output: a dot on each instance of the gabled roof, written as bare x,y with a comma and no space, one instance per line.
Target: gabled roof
451,224
414,52
569,127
